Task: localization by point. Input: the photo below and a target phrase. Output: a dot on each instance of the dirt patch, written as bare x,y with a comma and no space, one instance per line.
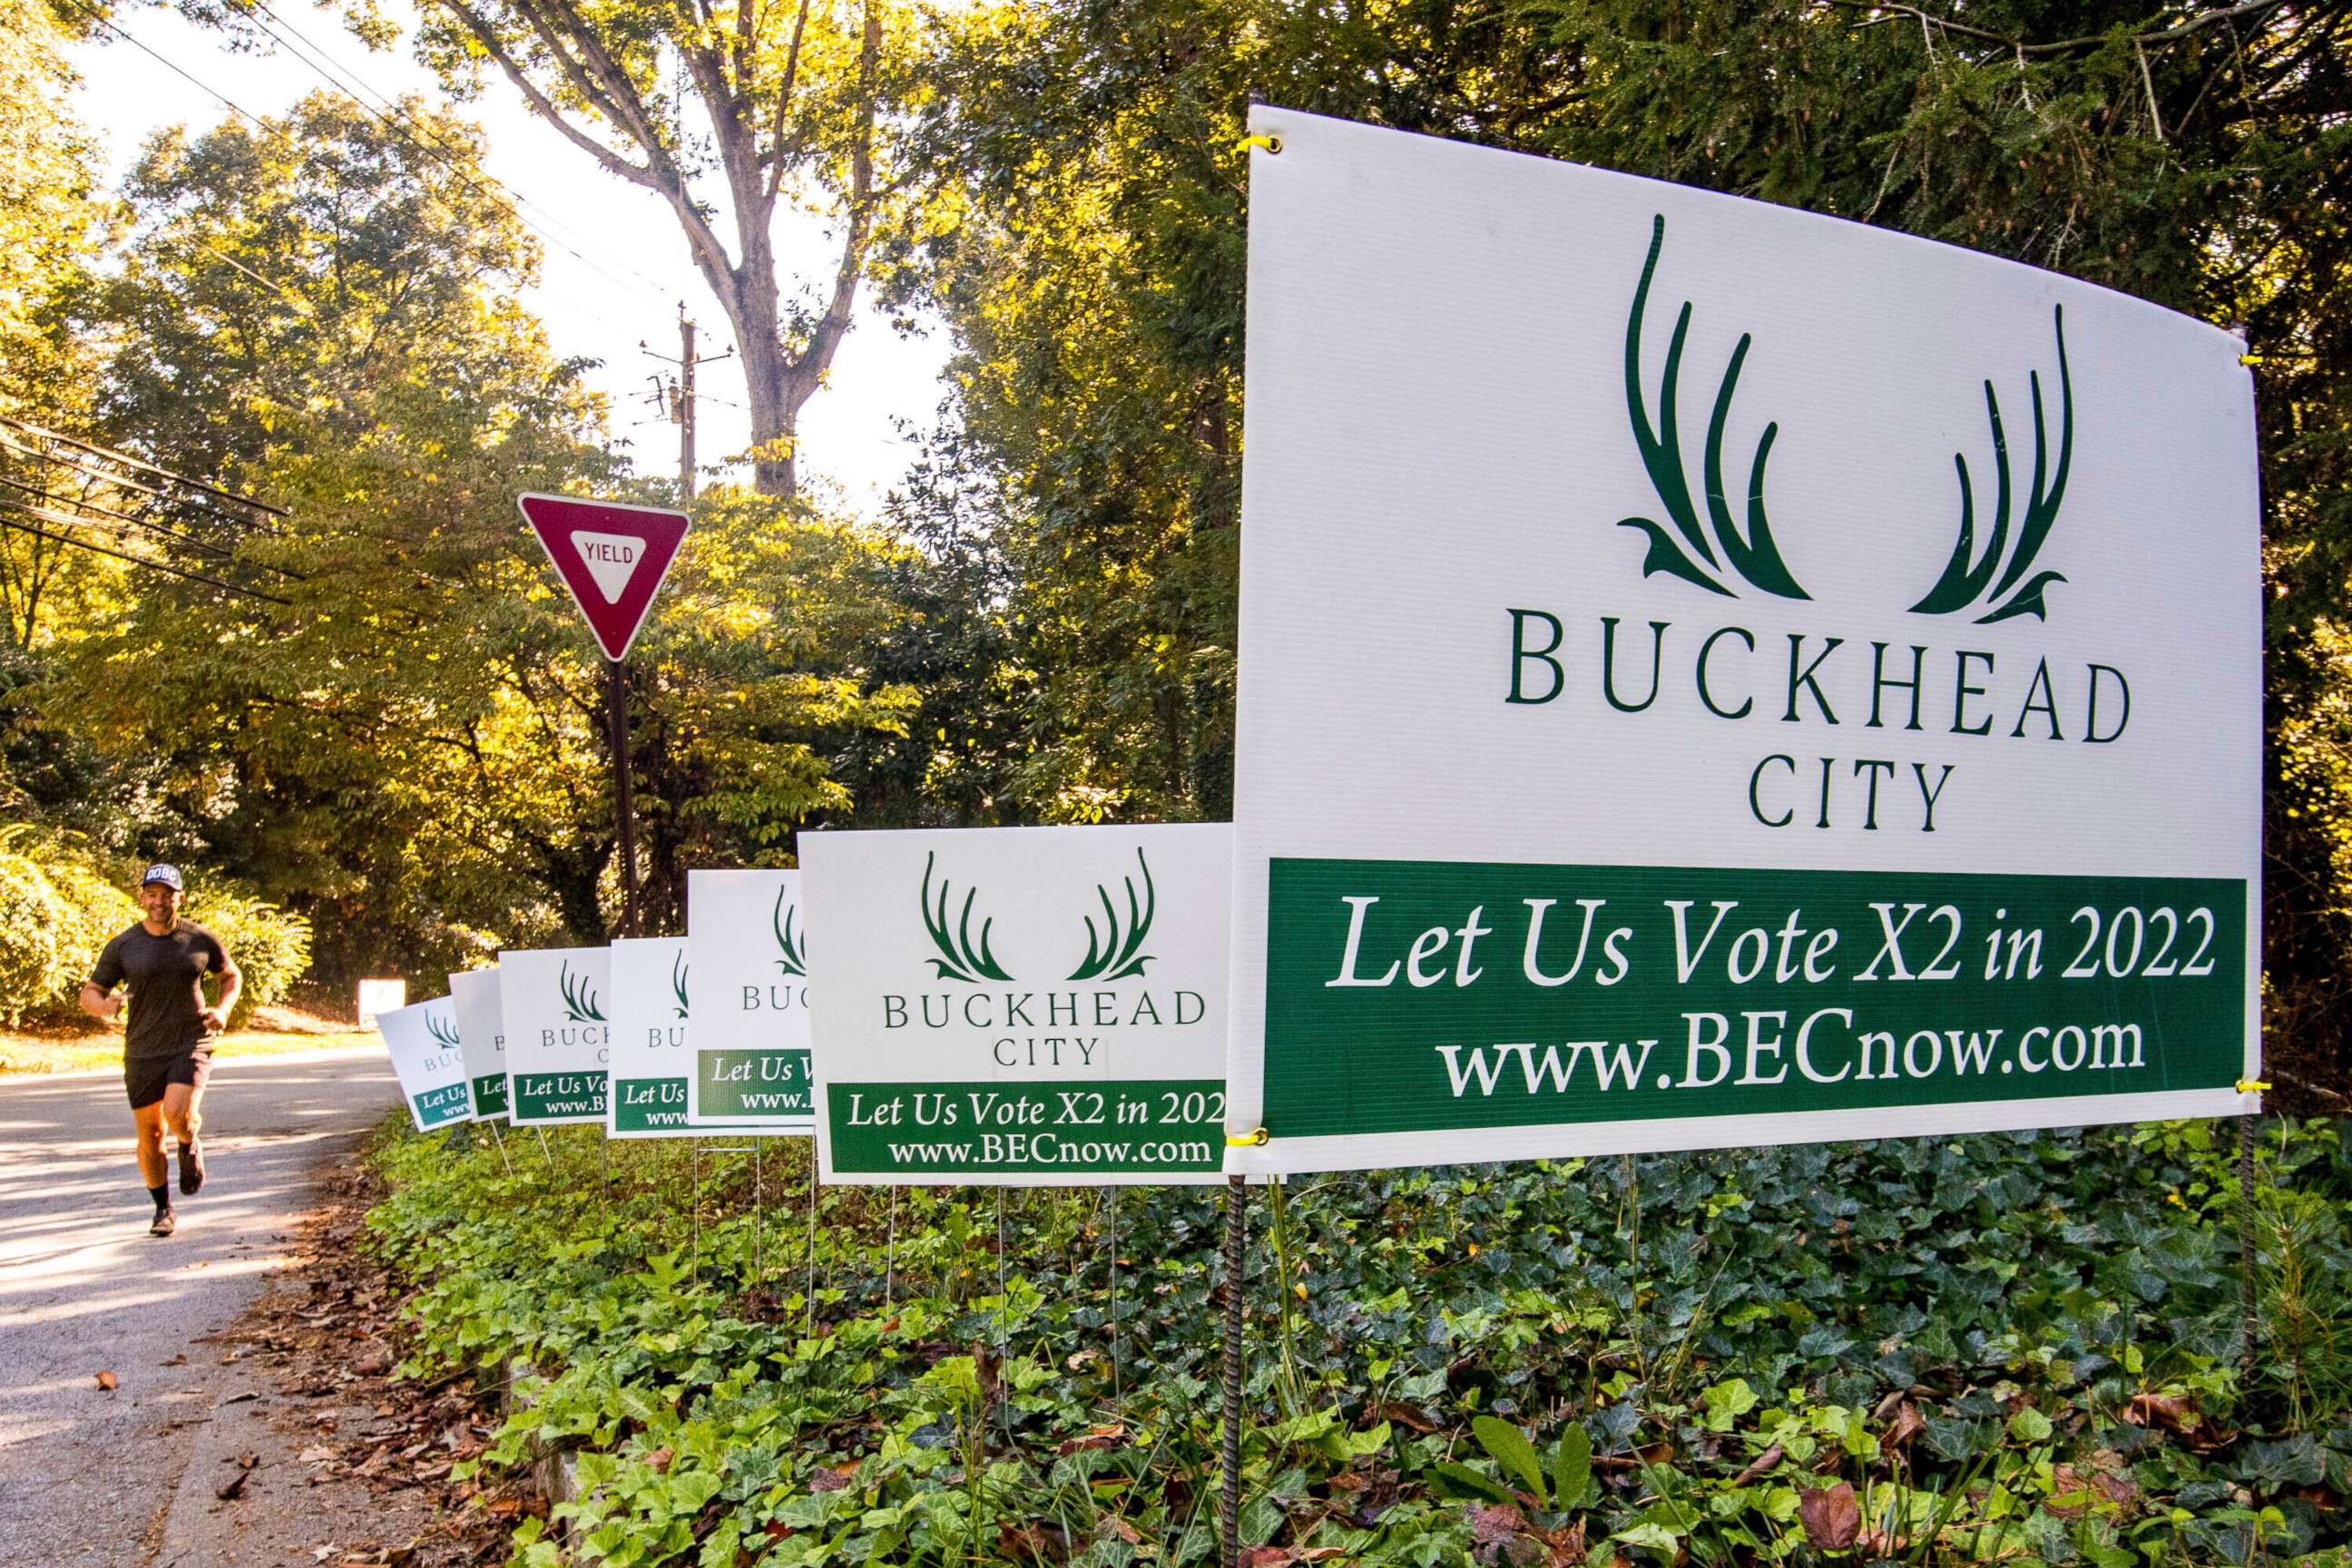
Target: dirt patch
316,1451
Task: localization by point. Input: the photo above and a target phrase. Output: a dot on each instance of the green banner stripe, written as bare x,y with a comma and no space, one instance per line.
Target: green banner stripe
436,1106
559,1096
649,1105
754,1085
1412,996
1170,1125
490,1094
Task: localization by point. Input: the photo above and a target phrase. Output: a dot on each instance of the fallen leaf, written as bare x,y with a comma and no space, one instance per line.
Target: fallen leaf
316,1454
1908,1424
1832,1517
1405,1416
1762,1465
2171,1411
240,1398
234,1488
824,1480
106,1380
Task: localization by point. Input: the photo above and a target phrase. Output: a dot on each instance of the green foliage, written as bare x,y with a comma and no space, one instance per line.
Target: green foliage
2014,1348
271,947
58,907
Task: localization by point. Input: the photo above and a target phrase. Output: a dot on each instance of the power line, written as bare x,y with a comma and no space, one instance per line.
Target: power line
324,63
257,121
206,546
335,75
119,555
109,455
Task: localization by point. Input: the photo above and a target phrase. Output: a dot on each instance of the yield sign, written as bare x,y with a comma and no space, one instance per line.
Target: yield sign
613,558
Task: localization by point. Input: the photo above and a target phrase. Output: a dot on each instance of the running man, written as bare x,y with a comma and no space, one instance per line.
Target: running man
167,1050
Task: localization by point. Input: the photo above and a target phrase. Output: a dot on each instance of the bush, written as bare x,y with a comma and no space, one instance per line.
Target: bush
58,906
60,903
271,947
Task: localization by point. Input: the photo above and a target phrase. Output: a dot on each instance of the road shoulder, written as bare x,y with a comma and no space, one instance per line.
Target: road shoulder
314,1452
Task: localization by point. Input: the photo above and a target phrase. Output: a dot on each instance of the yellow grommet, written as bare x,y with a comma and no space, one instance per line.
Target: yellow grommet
1271,143
2250,359
1247,1141
2251,1086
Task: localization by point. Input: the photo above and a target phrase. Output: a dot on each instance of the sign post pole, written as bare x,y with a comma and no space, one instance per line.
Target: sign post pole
1229,1458
624,804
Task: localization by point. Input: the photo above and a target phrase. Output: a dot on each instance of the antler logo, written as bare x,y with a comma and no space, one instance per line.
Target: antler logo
677,971
780,920
1756,558
443,1034
1964,586
579,1001
958,960
1992,579
1113,956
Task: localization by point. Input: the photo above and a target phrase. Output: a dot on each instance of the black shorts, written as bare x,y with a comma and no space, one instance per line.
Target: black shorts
147,1077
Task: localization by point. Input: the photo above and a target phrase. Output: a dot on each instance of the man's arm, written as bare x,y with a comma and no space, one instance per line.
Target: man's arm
98,1003
231,981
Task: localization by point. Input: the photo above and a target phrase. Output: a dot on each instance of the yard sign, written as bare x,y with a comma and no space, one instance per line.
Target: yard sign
422,1041
1716,675
747,942
557,1006
650,1059
1026,1007
482,1037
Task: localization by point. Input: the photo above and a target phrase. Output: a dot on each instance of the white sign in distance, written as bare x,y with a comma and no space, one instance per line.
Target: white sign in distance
482,1036
1020,1006
1774,679
747,942
422,1041
557,1006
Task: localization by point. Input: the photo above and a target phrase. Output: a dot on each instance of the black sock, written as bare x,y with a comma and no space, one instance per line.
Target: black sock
162,1196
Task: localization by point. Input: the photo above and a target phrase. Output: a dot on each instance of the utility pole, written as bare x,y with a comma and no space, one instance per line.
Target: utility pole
686,406
681,398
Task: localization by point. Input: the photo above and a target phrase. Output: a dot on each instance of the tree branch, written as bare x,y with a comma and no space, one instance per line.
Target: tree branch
2197,23
809,366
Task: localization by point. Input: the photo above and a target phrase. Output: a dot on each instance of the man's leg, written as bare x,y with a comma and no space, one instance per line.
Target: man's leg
148,1121
153,1169
184,1113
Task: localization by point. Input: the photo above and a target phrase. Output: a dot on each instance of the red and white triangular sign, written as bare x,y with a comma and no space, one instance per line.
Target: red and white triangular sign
613,557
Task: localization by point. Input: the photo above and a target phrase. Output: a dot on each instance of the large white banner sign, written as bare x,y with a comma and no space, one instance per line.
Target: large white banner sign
747,942
1020,1007
422,1041
1712,674
482,1036
556,1004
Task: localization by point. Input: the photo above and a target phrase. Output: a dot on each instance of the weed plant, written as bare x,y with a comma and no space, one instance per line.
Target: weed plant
2017,1348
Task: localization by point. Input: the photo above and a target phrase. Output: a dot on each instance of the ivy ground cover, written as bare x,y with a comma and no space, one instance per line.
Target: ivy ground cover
2020,1348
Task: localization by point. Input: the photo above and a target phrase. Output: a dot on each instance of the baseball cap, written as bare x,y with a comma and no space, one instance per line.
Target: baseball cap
167,875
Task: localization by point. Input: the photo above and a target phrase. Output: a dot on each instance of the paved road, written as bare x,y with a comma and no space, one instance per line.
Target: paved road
85,1475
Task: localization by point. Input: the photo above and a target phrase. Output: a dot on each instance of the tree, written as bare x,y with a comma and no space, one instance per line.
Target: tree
2195,157
792,99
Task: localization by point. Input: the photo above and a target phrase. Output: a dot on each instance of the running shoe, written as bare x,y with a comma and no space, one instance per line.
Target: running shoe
165,1224
192,1166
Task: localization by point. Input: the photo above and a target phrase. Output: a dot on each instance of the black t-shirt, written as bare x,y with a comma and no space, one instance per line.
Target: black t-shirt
166,975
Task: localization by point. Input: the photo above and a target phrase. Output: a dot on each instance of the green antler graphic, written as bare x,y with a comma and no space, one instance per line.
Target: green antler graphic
780,920
579,1002
958,960
678,981
1964,586
1110,956
1754,558
446,1033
